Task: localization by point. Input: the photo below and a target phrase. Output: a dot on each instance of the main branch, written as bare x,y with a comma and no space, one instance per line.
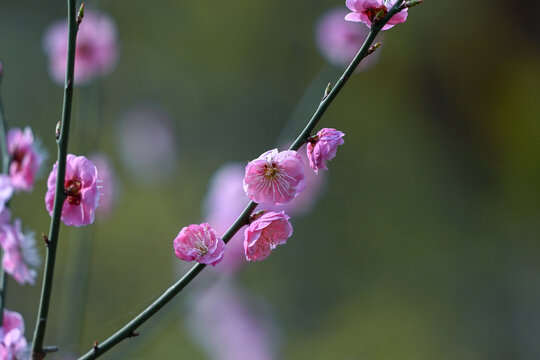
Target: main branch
38,351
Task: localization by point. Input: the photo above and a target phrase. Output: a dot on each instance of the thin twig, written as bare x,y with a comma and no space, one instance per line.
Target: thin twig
5,170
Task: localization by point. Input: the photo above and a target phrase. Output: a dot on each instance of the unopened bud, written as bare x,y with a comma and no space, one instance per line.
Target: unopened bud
80,14
327,90
374,47
57,130
410,4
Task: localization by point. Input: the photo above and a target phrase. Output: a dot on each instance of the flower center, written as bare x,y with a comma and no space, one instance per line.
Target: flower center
73,191
271,171
371,13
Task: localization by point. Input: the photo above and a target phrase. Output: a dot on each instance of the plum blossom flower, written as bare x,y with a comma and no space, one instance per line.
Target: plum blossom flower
26,158
20,253
231,324
265,233
339,40
274,177
81,186
109,185
96,52
323,147
13,345
366,10
199,243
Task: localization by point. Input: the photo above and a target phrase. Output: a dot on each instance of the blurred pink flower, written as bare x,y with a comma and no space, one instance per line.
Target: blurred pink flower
81,185
339,40
13,345
6,191
265,233
366,10
199,243
230,325
323,147
26,158
274,177
108,186
96,51
146,140
20,253
224,201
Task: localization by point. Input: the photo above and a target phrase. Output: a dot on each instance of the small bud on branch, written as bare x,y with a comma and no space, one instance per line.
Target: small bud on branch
410,4
374,47
327,90
57,130
80,14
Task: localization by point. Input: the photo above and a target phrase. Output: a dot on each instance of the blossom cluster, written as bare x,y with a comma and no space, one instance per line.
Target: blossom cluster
274,179
20,257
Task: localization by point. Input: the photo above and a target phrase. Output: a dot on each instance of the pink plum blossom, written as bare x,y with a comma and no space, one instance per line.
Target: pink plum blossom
96,51
13,345
81,186
265,233
6,191
20,253
108,187
231,324
323,147
226,199
339,40
199,243
26,158
274,177
366,10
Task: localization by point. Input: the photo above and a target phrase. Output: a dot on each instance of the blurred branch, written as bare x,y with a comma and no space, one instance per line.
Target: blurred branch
59,197
129,330
5,170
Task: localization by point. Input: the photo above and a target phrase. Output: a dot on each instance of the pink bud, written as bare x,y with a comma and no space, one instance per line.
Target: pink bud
368,11
323,147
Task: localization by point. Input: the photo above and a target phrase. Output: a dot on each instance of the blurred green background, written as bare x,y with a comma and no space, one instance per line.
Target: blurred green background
425,244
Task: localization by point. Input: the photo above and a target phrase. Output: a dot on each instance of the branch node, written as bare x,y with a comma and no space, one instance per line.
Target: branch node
45,239
133,334
96,345
327,91
57,130
410,4
374,47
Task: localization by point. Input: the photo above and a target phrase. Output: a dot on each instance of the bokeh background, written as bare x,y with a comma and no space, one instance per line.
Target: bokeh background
424,244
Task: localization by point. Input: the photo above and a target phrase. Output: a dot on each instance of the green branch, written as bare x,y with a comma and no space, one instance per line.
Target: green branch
38,351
